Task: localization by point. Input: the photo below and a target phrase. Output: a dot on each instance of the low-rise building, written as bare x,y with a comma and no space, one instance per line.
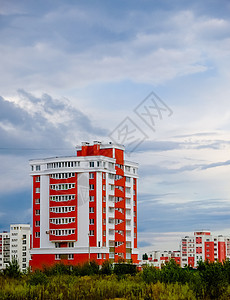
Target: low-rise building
159,258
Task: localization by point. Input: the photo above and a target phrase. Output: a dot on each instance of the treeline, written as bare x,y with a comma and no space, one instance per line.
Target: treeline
211,280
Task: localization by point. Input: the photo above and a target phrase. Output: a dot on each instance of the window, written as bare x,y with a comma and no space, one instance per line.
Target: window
24,248
103,175
91,198
91,209
37,190
24,236
38,168
24,242
23,253
103,187
24,259
57,256
127,179
91,232
91,187
91,221
23,266
99,256
37,223
57,245
91,164
37,234
91,175
104,232
37,201
111,176
37,179
71,244
37,212
70,256
127,190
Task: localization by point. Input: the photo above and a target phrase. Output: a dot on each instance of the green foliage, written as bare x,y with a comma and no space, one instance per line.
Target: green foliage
145,256
106,268
209,281
151,274
38,277
13,269
58,269
123,268
89,269
213,278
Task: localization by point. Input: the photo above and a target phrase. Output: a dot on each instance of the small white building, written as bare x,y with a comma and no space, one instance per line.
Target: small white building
20,244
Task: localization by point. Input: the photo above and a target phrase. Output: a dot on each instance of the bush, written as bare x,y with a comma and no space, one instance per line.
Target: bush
213,278
89,269
38,277
123,268
106,268
150,274
13,269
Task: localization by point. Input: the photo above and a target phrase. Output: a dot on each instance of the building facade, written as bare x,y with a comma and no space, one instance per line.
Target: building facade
20,236
204,246
159,258
4,249
15,245
84,207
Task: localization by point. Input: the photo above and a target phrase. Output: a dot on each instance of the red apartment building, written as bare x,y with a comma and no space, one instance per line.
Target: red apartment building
84,207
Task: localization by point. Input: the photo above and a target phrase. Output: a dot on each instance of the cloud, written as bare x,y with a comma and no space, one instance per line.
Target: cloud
162,216
42,123
215,165
141,47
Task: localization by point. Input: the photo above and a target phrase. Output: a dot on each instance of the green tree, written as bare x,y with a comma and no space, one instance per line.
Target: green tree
106,268
213,278
145,256
13,269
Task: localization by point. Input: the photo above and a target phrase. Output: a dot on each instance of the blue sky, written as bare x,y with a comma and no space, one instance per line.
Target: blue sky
74,71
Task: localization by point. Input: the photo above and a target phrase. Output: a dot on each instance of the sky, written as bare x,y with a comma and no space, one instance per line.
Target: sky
152,75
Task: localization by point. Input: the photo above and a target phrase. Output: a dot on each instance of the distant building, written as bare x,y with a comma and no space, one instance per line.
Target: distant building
84,207
204,246
159,258
4,249
15,245
199,247
20,235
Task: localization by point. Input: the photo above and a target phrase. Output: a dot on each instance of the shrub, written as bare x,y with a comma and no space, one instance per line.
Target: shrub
150,274
38,277
106,268
13,269
213,278
123,268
